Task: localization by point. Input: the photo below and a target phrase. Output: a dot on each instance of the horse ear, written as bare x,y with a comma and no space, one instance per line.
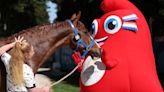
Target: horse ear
75,21
73,17
78,15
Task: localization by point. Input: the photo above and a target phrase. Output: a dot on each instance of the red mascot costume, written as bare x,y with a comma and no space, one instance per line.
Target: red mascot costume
124,36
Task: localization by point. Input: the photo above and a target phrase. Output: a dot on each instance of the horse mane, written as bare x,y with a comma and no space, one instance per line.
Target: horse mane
38,30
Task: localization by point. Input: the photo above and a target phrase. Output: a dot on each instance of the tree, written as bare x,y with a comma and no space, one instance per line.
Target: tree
90,10
21,14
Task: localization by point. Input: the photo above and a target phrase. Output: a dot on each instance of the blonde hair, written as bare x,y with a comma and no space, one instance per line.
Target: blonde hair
17,61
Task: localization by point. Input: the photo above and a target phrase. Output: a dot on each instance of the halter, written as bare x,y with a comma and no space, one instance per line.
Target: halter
80,41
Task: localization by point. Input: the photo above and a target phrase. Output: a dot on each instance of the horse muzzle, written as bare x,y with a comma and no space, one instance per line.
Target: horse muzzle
95,52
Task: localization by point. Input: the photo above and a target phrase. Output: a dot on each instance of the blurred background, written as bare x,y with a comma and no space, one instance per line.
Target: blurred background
16,15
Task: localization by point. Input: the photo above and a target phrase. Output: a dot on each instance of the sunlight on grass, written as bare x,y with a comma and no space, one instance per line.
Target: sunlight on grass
65,87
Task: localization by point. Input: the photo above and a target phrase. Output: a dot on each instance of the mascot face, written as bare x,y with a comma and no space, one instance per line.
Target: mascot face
113,23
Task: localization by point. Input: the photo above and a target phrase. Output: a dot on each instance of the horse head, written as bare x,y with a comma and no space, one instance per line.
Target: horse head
49,37
81,39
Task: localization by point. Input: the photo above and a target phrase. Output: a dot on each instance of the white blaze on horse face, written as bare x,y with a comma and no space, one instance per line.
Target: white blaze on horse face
92,72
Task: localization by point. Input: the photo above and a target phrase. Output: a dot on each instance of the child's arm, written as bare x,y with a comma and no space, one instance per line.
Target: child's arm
6,47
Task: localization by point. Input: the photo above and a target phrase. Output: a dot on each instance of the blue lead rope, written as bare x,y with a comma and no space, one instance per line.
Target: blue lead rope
80,41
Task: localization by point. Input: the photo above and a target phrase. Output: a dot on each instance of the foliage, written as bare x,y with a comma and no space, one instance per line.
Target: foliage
89,8
17,15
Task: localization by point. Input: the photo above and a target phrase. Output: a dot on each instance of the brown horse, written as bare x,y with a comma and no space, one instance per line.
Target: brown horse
47,38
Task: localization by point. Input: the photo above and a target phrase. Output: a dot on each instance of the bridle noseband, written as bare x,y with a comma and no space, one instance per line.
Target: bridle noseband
80,41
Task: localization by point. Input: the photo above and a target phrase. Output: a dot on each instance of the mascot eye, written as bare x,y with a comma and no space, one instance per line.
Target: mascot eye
94,28
112,24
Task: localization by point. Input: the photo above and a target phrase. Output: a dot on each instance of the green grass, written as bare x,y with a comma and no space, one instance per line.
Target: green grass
70,84
65,87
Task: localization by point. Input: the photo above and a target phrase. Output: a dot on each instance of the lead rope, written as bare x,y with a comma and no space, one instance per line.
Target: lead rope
66,76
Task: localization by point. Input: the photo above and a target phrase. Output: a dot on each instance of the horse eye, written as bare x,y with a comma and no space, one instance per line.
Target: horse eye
94,28
112,24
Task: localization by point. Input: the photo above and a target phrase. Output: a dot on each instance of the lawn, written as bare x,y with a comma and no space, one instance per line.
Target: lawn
65,87
70,84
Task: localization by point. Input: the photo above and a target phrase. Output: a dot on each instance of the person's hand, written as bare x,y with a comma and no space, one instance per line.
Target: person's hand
19,39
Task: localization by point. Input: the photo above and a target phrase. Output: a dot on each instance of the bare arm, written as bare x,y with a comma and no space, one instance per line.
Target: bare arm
6,47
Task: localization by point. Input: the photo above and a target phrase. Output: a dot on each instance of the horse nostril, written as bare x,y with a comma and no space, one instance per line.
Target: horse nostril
99,52
96,54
